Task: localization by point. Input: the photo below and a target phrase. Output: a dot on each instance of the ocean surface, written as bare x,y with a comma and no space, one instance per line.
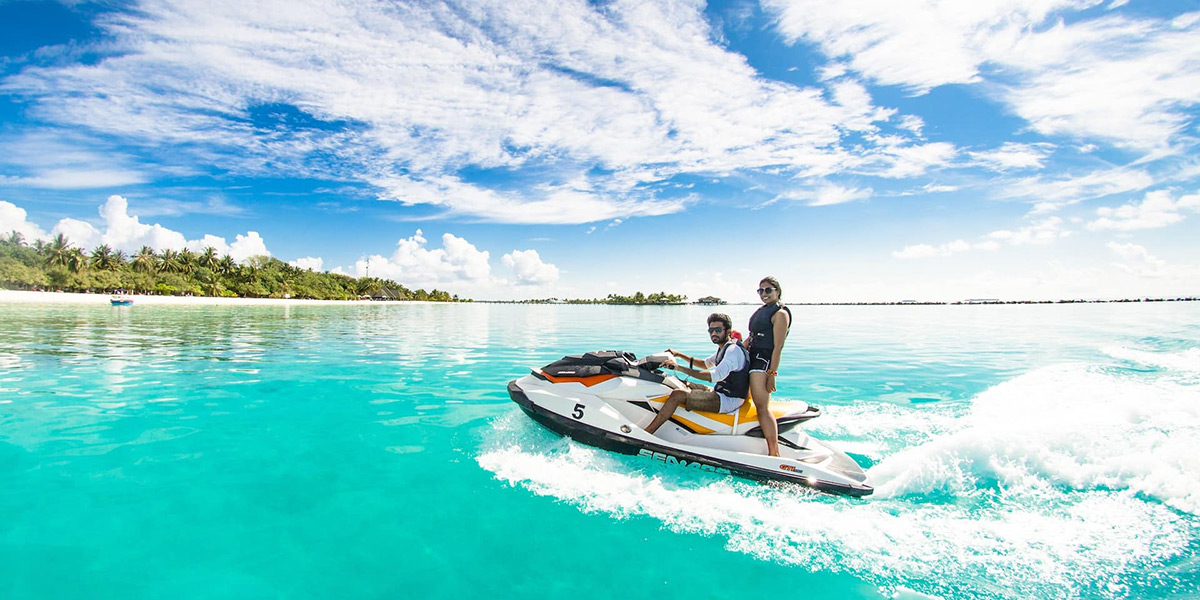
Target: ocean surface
371,451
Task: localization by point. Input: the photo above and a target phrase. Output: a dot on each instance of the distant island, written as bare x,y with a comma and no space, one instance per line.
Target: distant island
638,298
57,265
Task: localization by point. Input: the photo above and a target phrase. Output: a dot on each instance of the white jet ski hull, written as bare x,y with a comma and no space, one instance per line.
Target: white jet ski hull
611,414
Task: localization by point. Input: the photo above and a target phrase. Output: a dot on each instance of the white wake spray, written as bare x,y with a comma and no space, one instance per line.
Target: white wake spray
1073,426
1064,481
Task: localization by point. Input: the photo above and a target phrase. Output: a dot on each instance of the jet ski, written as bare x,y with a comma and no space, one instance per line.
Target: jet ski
605,399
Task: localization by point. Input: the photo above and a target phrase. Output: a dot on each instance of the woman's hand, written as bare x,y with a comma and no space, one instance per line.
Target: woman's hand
770,383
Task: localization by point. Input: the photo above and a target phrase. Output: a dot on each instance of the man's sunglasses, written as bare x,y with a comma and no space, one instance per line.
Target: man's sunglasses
716,329
766,290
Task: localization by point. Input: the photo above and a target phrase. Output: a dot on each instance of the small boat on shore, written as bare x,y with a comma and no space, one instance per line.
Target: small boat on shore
121,301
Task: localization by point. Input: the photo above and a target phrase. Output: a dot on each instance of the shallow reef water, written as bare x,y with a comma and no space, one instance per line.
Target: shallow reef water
371,451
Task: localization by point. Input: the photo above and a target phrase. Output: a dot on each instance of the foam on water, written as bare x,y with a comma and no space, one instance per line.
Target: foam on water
1068,480
1186,362
1069,426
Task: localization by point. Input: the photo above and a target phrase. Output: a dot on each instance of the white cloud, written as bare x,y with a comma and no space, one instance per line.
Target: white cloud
1051,193
14,218
827,195
912,43
312,263
529,269
1108,77
69,179
412,264
933,188
898,160
63,160
920,251
927,251
1012,155
834,194
1135,255
1157,209
215,205
854,96
209,240
1126,81
561,206
912,123
80,234
125,232
245,246
1138,261
1045,231
564,88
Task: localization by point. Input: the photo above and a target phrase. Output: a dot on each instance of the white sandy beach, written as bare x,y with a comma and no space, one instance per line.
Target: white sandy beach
15,296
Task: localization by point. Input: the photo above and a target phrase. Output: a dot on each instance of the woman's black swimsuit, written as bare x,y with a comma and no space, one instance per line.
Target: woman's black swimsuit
762,335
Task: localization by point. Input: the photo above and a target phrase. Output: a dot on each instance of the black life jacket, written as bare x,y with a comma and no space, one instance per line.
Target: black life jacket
737,383
762,331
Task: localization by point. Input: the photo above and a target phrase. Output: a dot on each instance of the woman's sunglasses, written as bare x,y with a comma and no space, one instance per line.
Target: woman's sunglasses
766,290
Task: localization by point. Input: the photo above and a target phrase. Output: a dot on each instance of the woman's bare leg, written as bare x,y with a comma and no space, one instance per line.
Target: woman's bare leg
766,420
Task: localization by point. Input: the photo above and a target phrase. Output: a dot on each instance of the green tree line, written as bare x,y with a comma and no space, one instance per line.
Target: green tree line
58,265
640,298
637,298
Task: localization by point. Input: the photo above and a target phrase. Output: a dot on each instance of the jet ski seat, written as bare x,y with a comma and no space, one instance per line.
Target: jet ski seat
787,415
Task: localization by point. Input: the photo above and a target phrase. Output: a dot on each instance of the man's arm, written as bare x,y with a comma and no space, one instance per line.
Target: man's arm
677,354
697,373
691,360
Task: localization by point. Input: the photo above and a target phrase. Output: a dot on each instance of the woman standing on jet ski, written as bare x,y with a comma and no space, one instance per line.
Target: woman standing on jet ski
769,327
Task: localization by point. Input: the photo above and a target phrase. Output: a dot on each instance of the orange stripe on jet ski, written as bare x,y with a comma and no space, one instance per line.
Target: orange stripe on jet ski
695,427
746,413
587,381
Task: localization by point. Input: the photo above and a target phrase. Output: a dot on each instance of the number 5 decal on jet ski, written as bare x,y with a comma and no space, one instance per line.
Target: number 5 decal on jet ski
578,412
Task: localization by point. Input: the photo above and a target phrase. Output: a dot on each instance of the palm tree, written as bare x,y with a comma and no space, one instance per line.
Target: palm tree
119,259
168,261
209,259
15,238
76,260
102,258
58,251
227,266
145,260
187,261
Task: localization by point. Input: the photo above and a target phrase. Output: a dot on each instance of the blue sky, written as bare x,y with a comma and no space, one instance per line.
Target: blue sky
871,150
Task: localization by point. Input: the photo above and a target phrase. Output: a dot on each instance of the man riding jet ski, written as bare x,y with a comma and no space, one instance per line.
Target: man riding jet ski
730,372
613,401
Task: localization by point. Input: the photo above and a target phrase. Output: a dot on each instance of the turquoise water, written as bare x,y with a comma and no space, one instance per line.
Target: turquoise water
372,452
